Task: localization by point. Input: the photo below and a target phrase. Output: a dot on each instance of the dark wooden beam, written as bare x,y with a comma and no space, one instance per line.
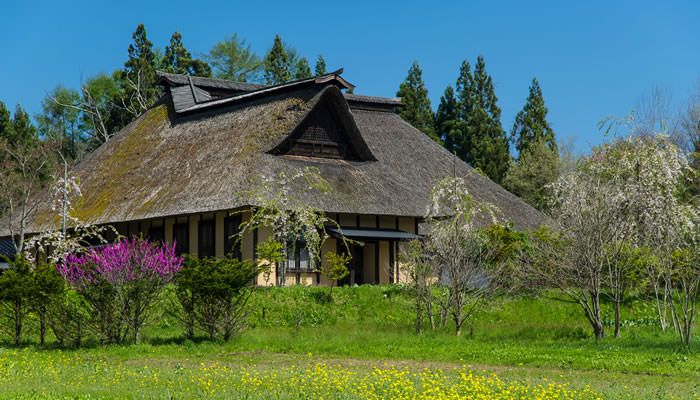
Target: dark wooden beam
376,262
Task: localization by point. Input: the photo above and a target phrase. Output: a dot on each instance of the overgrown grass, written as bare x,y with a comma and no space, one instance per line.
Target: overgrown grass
546,341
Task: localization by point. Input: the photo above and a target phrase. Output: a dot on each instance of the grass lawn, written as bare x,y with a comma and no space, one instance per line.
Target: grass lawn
363,345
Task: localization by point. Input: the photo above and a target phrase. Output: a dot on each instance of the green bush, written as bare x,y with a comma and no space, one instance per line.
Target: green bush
212,295
17,287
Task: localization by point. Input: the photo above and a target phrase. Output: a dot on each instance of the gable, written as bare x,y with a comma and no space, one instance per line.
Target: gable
320,135
327,131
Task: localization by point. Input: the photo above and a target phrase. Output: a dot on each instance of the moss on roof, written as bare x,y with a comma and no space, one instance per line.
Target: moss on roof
162,165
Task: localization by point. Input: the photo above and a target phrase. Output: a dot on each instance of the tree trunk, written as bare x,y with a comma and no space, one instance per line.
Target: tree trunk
674,318
599,332
419,317
662,315
42,324
430,315
18,322
281,277
458,319
617,318
593,315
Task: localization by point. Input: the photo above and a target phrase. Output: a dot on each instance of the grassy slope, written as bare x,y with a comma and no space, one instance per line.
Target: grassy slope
517,338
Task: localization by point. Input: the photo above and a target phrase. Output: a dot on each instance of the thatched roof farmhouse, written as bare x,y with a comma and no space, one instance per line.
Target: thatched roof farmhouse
175,172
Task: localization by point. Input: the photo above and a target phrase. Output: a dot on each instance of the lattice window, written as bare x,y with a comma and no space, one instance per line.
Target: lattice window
321,136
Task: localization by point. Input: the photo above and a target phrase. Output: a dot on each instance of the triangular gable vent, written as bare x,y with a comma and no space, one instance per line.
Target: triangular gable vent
327,132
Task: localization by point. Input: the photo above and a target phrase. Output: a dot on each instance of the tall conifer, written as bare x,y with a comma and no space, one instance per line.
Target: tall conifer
139,74
303,70
416,109
320,66
179,61
277,64
531,122
480,140
446,120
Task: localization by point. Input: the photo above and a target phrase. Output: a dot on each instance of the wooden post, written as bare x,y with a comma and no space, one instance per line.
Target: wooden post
391,262
376,262
396,262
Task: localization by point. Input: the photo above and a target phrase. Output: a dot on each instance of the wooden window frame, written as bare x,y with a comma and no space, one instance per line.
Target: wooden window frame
300,244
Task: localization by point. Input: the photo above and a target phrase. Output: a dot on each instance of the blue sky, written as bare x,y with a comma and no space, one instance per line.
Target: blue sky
592,58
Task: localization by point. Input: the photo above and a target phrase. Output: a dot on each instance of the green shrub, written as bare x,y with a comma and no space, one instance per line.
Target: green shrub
212,295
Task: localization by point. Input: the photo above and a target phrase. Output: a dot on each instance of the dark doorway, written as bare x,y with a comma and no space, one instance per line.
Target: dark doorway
356,275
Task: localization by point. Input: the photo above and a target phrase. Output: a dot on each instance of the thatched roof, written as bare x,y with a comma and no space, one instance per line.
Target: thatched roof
173,163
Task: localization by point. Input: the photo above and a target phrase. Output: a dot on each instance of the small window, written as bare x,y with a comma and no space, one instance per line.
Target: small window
181,235
298,257
206,239
232,246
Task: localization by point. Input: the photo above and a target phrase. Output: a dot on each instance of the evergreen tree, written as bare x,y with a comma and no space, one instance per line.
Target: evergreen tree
537,167
17,132
277,64
531,122
21,128
179,61
138,78
231,59
320,66
446,123
4,121
303,70
483,143
416,109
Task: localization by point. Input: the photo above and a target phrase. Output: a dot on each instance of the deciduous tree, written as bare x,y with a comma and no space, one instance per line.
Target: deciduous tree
60,121
462,250
233,59
291,219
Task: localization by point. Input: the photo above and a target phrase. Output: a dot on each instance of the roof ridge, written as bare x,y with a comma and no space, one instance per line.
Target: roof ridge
331,77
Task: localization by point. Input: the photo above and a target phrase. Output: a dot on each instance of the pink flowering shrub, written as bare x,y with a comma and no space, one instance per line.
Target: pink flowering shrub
120,282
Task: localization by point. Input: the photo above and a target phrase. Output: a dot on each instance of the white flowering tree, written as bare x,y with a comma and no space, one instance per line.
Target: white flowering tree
460,248
576,254
74,235
650,172
622,208
291,219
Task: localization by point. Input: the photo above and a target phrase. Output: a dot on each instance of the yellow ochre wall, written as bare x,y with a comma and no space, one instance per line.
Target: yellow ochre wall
306,278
